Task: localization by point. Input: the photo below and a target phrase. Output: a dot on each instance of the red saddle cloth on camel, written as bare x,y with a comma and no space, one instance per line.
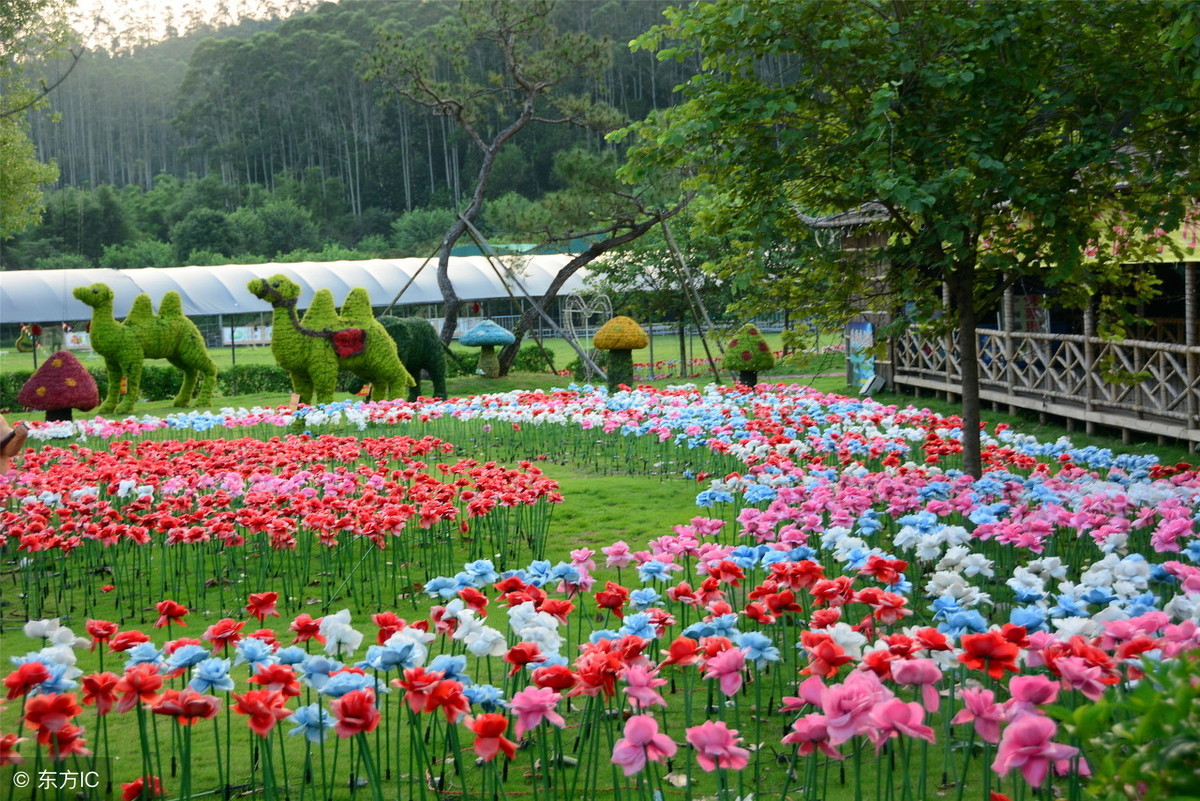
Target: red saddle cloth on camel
349,342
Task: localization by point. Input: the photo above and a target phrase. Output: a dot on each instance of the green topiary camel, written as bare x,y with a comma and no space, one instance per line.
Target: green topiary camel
313,349
143,335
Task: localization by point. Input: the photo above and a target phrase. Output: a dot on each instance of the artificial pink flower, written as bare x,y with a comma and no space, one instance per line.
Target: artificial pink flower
642,741
811,733
847,706
1082,676
922,672
727,668
717,746
618,554
980,706
534,705
1026,745
641,682
895,717
1029,692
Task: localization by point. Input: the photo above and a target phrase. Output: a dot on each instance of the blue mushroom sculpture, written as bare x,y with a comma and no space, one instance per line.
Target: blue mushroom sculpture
486,336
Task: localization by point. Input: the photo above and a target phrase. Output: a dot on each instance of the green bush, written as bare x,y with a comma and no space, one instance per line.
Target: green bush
531,359
600,357
461,362
253,379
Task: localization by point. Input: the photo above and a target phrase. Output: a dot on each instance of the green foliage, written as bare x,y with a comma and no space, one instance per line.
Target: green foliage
992,137
748,352
1147,745
419,231
21,178
279,226
253,379
145,253
204,229
532,359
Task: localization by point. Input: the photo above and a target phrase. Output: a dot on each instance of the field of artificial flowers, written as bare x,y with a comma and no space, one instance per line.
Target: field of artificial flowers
384,606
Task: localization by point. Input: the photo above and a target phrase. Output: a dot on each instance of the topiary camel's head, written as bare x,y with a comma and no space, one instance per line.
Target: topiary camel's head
278,290
95,295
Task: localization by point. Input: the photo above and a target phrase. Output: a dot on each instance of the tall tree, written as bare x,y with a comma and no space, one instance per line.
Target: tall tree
30,31
992,136
529,66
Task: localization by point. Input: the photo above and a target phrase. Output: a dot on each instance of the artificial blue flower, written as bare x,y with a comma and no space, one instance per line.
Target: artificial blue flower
143,653
211,675
311,721
315,670
186,656
644,597
254,651
638,625
758,647
485,696
451,667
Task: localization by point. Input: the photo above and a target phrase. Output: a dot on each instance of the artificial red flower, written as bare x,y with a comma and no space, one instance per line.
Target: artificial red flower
280,678
989,652
67,741
264,708
474,599
50,713
682,651
100,631
522,654
186,706
613,598
140,683
8,750
558,608
826,657
107,588
126,640
25,678
170,612
489,732
100,689
388,622
307,628
142,789
555,677
447,695
355,713
224,633
262,605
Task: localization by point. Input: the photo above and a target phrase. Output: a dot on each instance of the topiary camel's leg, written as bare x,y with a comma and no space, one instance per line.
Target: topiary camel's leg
111,398
184,398
208,385
324,379
302,386
133,385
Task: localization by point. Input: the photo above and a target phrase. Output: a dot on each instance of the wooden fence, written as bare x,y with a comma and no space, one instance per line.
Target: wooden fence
1131,385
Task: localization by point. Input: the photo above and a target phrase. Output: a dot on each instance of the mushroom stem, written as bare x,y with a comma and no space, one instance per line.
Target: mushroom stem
59,415
620,369
489,361
748,377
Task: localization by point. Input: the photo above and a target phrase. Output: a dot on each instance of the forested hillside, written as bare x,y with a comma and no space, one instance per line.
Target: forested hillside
265,139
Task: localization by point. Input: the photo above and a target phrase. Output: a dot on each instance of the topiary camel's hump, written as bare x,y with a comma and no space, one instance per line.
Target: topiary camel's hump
171,305
357,311
142,311
322,314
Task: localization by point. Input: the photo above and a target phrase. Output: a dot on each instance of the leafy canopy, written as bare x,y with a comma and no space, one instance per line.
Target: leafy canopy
993,134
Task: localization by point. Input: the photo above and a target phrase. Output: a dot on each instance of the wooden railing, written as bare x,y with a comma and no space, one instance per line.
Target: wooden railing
1152,387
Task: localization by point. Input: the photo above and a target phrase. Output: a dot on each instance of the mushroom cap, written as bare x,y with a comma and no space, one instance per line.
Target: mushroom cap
62,382
748,351
487,333
620,333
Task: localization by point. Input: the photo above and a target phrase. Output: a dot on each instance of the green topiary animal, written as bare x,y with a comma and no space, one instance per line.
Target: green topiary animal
313,349
419,348
143,335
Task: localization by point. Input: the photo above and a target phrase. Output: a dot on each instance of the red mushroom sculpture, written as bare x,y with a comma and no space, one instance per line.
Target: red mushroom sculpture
60,385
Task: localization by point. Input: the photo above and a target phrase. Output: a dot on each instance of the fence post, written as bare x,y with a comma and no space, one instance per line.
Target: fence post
1089,367
1009,369
1189,303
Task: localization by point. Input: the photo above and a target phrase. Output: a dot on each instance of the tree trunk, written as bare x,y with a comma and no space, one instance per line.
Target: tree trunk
963,288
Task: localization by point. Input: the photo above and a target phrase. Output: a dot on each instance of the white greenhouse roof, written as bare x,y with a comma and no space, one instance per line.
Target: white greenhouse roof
41,296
